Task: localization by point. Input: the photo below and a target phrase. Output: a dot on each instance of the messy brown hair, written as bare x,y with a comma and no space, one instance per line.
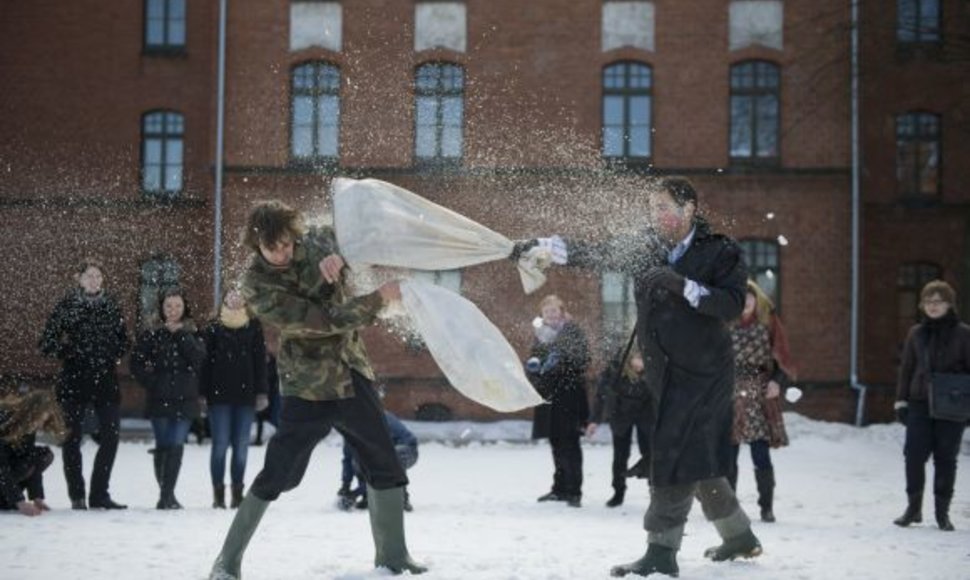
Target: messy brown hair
25,413
269,221
945,291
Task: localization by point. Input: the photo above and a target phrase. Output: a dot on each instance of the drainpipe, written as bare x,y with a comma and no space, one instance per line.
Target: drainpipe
856,209
220,127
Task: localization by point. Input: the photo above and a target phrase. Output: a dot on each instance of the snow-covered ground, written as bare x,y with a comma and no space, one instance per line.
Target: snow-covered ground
476,517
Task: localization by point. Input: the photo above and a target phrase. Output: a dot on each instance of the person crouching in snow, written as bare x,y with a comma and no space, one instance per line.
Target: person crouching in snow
406,447
557,369
295,282
22,461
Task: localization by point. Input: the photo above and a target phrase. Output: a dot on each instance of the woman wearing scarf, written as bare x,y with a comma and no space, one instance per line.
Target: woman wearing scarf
234,386
763,367
938,344
557,369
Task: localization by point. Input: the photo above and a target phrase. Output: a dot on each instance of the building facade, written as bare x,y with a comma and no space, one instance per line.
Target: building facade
532,119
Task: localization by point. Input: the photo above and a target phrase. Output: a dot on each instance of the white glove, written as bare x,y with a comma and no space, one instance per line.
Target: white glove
555,248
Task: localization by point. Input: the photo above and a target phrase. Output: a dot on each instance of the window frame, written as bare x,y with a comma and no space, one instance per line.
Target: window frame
615,338
753,93
627,92
162,194
146,316
911,191
439,93
917,29
756,247
315,93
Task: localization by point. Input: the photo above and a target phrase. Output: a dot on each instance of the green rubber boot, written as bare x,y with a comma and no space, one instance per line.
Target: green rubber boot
229,562
386,508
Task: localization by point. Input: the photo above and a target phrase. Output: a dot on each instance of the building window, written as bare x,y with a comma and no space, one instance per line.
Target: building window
162,143
628,24
755,98
619,310
440,24
627,99
157,274
918,154
164,25
918,21
762,259
315,112
910,280
439,99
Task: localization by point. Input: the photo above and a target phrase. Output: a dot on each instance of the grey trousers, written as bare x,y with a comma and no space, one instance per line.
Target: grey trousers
669,506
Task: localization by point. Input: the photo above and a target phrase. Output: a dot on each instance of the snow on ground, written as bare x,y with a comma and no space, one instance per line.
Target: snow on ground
476,517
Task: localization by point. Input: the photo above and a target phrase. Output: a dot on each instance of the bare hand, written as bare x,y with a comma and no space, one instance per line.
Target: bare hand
28,508
591,429
773,390
41,505
330,268
390,292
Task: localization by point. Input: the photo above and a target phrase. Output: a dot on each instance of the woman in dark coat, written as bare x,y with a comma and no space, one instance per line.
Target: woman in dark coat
167,361
22,461
938,344
763,368
557,369
234,386
622,400
86,331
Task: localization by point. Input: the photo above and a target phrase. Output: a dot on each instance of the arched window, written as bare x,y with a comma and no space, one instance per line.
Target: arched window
315,112
764,266
162,144
157,273
918,21
755,106
164,25
439,90
910,279
918,154
627,111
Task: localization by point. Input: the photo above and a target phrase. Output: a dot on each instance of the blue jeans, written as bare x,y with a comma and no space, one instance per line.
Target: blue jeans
230,425
170,432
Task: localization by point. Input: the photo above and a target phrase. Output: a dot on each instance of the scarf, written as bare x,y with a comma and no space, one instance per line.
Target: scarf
233,317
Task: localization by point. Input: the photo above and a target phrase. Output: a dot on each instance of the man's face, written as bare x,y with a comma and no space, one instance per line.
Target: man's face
672,221
280,253
91,280
935,306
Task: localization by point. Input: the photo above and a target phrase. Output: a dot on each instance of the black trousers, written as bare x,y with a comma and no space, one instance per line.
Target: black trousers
303,424
27,473
622,431
926,436
74,404
567,458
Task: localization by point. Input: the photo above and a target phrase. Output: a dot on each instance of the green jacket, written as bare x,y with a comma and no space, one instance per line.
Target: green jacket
318,322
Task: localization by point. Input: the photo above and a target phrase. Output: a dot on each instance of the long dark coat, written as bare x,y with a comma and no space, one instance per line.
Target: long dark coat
88,335
563,385
235,366
168,365
687,351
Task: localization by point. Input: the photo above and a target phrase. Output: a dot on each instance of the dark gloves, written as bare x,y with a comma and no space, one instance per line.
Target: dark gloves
664,277
521,247
902,412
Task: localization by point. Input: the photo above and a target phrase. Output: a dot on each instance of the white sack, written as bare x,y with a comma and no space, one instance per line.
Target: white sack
469,349
381,224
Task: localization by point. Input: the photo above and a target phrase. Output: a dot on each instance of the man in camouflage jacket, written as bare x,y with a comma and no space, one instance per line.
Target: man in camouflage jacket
295,283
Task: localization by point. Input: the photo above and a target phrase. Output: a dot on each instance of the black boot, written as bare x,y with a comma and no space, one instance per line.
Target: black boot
407,501
943,514
219,496
551,496
617,499
170,475
658,559
237,495
913,513
765,479
745,545
106,503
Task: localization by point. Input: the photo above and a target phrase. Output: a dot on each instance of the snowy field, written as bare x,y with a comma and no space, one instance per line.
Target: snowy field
476,517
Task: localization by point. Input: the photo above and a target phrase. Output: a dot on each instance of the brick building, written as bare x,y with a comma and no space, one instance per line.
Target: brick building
531,119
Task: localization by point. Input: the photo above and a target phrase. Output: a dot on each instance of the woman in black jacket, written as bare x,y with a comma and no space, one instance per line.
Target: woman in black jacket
86,331
167,362
22,461
938,344
557,369
234,386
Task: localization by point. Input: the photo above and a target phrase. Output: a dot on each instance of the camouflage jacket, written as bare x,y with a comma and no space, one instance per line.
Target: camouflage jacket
318,322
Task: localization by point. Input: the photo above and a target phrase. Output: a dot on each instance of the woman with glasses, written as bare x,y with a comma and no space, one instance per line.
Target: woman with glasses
940,343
